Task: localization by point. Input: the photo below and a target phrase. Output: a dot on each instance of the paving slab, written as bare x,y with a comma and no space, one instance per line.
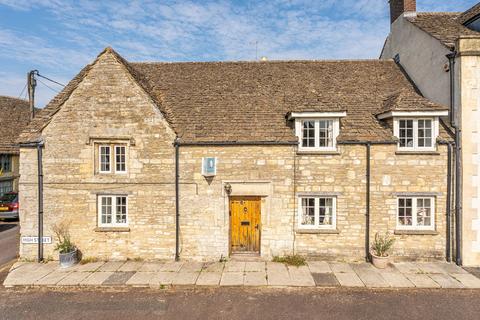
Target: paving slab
340,267
407,267
468,280
446,281
192,266
111,266
255,266
87,267
370,276
232,279
141,279
118,278
131,266
185,278
255,278
325,280
52,279
234,266
277,275
164,278
275,266
22,277
300,276
73,279
430,268
213,267
451,268
96,278
319,267
150,267
422,280
171,266
209,278
349,279
397,280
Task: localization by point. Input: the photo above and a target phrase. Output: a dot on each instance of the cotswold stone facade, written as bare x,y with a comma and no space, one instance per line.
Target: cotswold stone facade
107,106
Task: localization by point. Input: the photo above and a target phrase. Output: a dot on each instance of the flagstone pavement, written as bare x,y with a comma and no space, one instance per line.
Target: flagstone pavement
239,273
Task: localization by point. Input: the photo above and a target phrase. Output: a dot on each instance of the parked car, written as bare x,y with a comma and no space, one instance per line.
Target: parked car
9,206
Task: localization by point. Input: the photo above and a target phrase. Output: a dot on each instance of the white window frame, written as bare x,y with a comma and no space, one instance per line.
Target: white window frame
299,133
114,211
415,147
113,158
414,225
317,224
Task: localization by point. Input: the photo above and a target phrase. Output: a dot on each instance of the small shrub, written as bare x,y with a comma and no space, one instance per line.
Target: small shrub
382,244
62,234
88,260
294,260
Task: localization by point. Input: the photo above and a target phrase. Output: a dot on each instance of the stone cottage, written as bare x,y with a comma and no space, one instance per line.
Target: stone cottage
440,52
14,117
207,160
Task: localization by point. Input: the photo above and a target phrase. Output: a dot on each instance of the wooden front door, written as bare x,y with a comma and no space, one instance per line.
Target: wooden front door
245,224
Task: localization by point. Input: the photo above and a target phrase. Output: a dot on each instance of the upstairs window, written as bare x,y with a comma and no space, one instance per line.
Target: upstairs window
5,163
112,158
318,134
416,134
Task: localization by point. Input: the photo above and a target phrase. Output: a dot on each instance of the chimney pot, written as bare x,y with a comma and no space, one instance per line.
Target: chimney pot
398,7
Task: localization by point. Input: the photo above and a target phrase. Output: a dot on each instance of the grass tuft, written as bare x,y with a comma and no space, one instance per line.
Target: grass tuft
294,260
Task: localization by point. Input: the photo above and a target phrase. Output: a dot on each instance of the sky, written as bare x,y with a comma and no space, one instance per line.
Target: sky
59,37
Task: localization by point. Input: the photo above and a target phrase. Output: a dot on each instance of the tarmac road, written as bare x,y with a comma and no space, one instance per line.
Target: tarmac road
8,241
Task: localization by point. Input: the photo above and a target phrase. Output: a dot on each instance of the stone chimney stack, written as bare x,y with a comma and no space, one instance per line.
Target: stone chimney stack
398,7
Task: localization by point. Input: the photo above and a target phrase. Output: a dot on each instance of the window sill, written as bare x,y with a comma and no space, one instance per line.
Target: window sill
416,232
112,229
318,152
418,152
317,231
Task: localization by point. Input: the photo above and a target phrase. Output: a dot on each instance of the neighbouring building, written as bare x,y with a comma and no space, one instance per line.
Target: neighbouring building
440,52
14,117
273,158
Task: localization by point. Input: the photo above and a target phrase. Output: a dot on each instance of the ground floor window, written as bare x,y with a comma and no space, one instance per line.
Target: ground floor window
317,212
112,211
416,213
6,186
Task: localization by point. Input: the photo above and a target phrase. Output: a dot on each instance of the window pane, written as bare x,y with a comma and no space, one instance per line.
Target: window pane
405,211
308,135
425,133
424,212
325,211
121,212
5,163
6,186
120,164
406,133
106,210
104,158
308,211
326,133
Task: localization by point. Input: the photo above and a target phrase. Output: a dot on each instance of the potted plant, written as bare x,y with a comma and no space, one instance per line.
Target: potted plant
380,250
66,249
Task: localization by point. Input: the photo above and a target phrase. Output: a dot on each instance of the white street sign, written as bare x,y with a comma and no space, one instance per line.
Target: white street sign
34,240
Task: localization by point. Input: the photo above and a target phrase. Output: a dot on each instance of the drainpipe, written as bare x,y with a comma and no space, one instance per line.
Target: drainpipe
449,202
456,122
177,199
40,200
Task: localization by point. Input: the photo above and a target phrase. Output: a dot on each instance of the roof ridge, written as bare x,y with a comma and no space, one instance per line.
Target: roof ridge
264,62
440,12
12,97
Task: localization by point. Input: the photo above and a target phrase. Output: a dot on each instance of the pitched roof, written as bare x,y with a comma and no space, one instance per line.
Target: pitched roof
444,26
248,101
469,14
14,117
406,100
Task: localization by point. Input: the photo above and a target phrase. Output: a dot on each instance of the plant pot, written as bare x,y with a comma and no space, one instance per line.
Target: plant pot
380,262
68,259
